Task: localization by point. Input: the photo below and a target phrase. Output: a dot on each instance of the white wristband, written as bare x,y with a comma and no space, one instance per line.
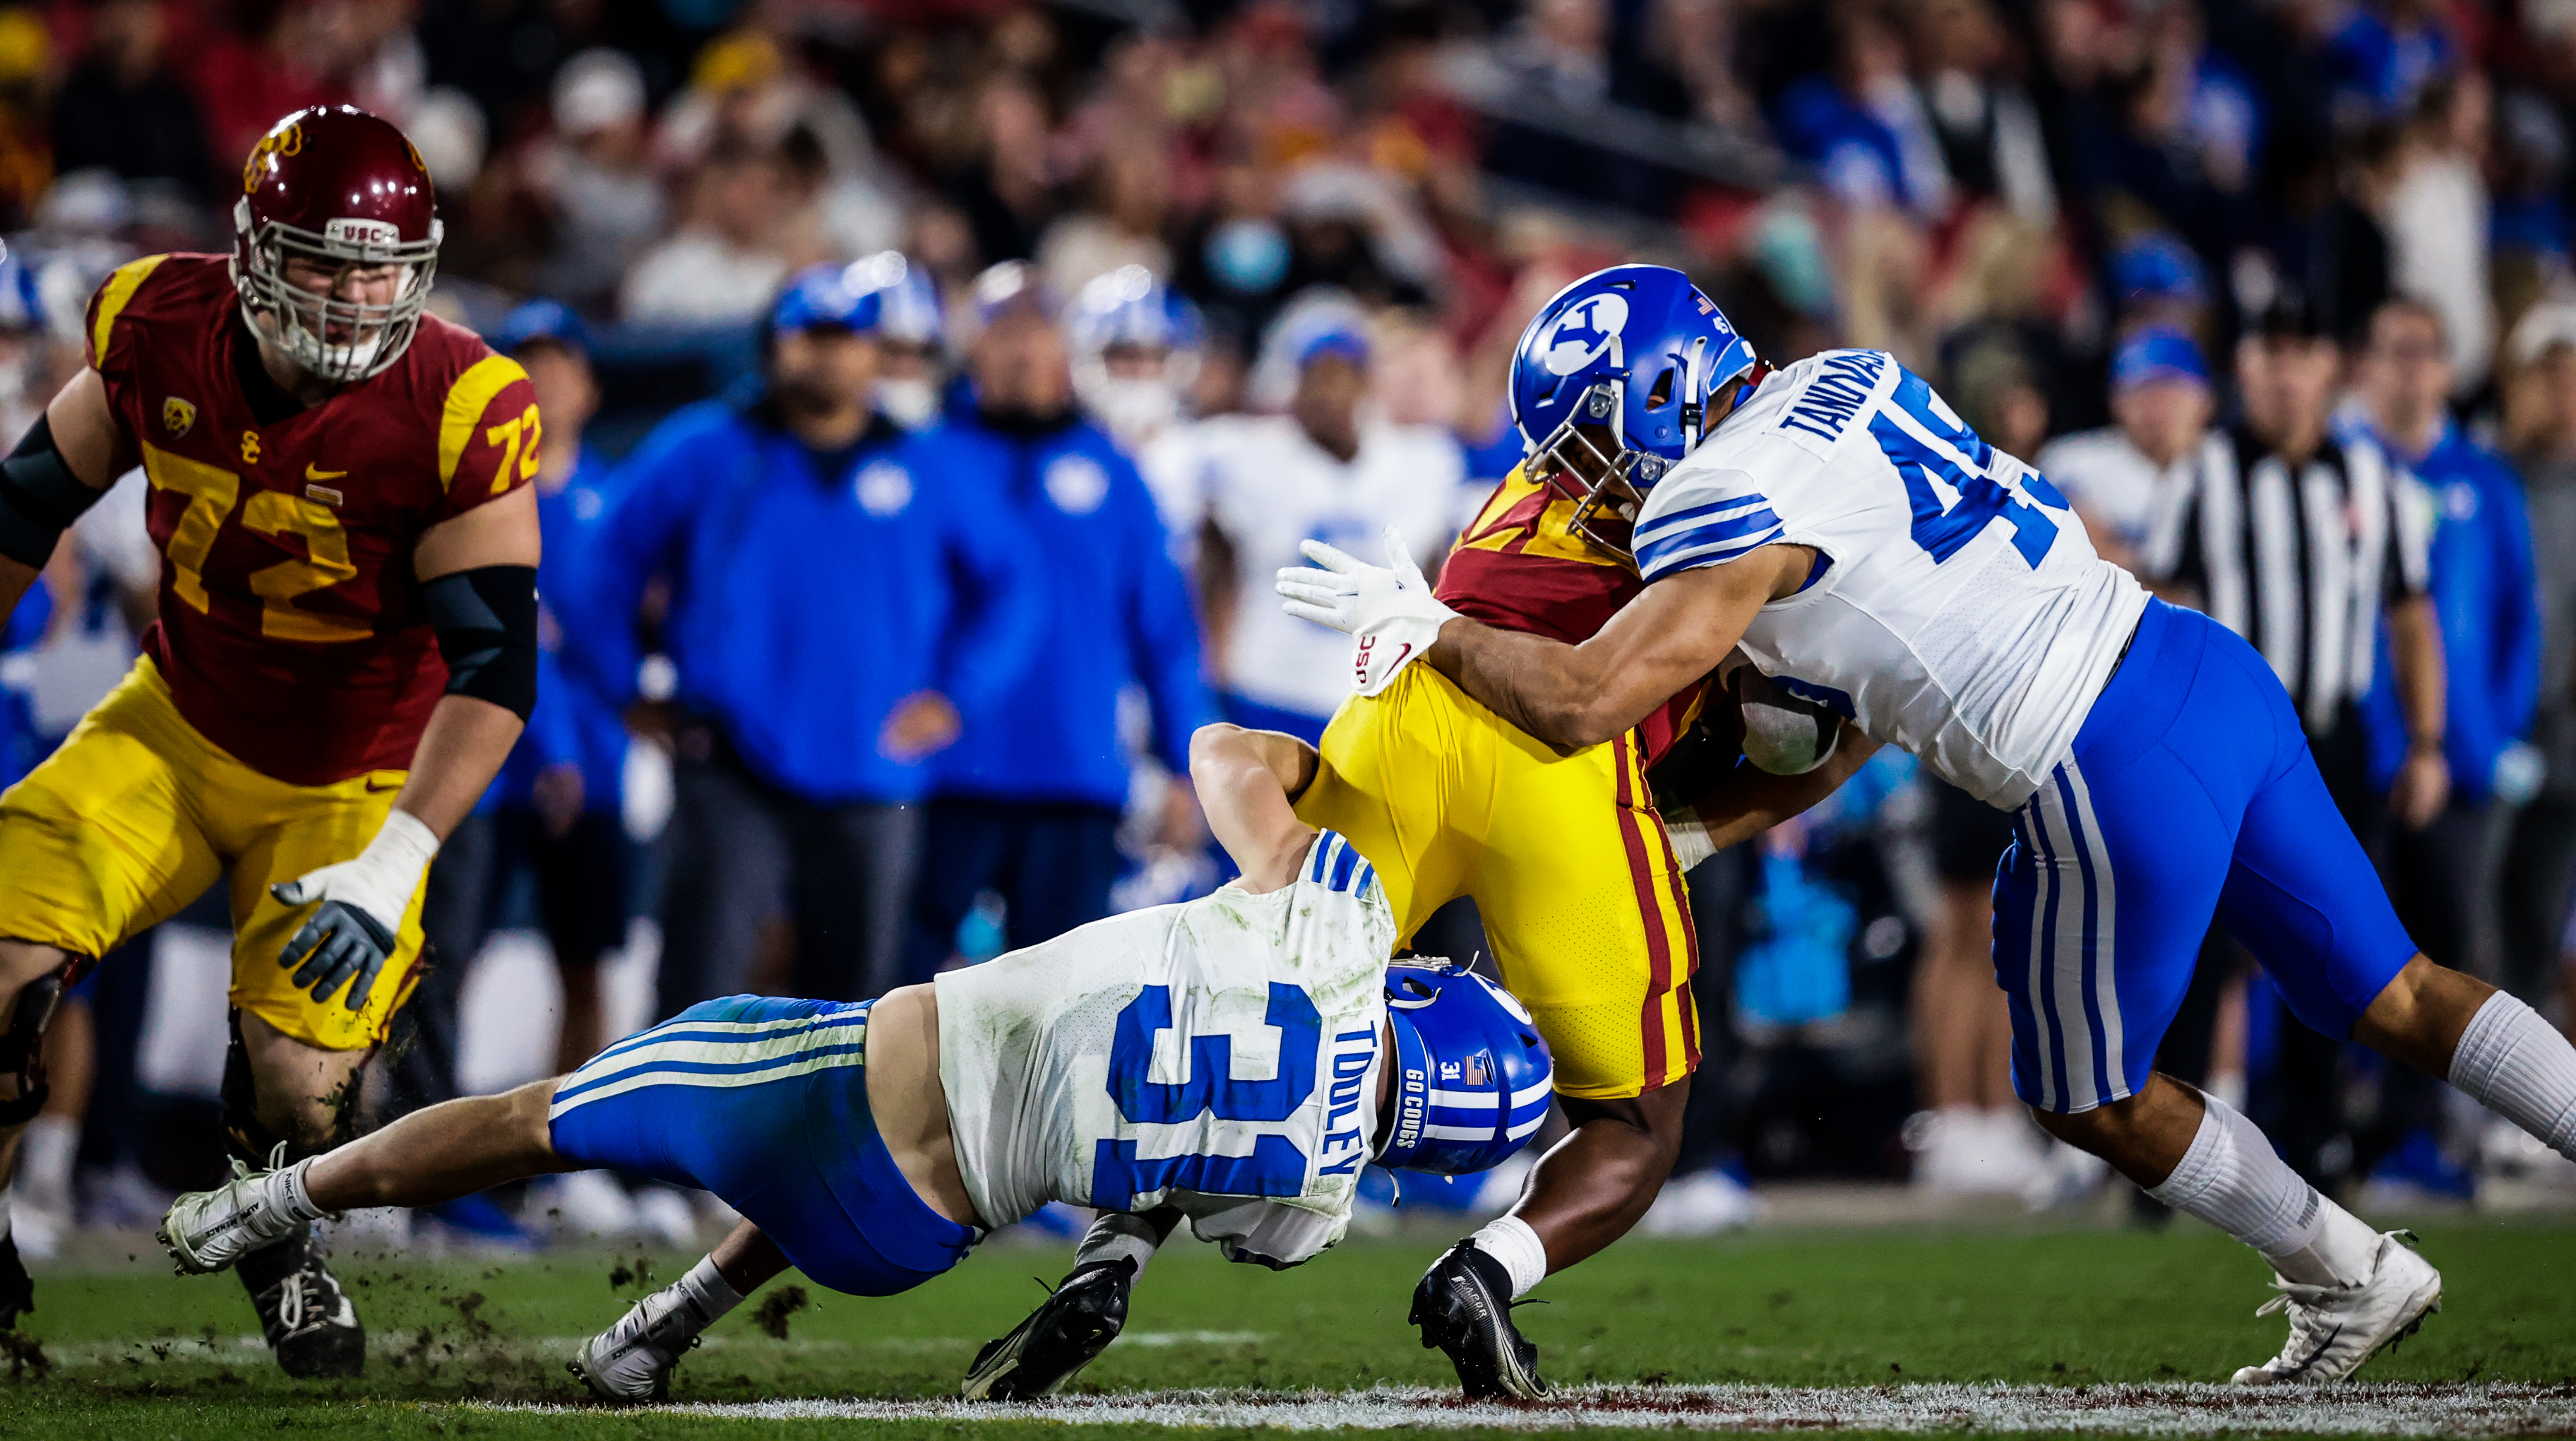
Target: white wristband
402,849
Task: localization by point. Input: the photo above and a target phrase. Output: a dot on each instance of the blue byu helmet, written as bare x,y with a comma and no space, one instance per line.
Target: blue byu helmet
884,295
1638,351
1472,1077
1138,392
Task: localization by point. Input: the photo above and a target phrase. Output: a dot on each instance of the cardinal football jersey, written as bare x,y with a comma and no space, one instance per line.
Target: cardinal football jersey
1520,565
1958,612
1221,1056
291,630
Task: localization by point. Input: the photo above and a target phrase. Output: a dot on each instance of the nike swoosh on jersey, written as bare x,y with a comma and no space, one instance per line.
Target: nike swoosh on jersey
312,472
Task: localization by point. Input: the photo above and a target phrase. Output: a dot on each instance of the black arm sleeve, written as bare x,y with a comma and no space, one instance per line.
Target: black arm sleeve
39,496
486,619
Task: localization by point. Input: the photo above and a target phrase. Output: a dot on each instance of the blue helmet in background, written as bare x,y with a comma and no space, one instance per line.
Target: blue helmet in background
1472,1077
1129,309
883,295
1638,351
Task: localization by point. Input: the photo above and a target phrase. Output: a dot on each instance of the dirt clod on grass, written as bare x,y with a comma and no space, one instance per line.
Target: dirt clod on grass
774,1309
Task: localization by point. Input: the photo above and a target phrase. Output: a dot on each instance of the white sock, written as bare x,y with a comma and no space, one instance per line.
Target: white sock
2232,1179
1114,1236
1511,1241
45,1160
708,1293
2515,1065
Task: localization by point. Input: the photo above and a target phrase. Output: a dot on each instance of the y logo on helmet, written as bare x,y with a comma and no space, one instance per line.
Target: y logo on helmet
285,140
1588,329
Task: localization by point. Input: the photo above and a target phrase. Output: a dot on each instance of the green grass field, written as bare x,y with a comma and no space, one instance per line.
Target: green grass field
128,1351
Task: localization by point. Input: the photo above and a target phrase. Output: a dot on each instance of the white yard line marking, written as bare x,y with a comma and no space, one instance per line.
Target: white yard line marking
2196,1409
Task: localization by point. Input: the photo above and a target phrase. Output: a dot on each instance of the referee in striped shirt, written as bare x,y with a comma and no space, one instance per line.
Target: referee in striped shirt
2302,544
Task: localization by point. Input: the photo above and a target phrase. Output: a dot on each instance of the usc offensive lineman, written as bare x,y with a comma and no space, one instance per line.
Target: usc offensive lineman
346,648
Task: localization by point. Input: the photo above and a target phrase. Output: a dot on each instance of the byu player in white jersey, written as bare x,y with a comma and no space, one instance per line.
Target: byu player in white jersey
1233,1062
1872,555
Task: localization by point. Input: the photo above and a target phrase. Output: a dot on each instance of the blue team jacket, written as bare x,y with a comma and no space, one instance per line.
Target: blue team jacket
804,605
1117,613
574,723
2488,600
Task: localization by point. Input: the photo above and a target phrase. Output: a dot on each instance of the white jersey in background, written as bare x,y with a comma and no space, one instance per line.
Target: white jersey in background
1220,1056
1961,613
2116,485
1267,486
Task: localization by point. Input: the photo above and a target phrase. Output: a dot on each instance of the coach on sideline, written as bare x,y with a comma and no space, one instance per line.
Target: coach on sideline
1027,802
840,590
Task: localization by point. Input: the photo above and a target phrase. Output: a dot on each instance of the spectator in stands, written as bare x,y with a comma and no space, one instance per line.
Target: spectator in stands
2118,476
1028,801
1130,193
840,591
596,177
2485,595
2435,210
1330,469
125,109
724,263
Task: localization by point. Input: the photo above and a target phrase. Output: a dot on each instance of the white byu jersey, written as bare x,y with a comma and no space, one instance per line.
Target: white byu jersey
1220,1056
1267,486
1961,612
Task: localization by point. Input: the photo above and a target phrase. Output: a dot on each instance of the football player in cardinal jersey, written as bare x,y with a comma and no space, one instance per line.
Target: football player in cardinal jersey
871,1144
346,647
1867,550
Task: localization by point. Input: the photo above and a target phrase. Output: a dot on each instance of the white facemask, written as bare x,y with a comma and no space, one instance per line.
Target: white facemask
911,404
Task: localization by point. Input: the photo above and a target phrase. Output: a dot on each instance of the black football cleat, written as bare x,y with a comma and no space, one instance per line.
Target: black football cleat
1061,1337
1464,1307
304,1312
17,1288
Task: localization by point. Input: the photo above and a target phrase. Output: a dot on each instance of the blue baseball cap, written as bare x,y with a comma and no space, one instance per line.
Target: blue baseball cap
2157,267
541,319
2158,352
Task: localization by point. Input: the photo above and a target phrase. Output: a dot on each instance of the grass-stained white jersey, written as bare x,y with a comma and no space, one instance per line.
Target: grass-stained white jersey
1959,610
1221,1056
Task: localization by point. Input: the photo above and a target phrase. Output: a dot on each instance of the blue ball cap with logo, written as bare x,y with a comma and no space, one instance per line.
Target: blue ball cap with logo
541,320
2157,267
1472,1076
2159,352
1637,351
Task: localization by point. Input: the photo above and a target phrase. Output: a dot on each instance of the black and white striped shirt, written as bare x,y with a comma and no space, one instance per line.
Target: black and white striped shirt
2300,566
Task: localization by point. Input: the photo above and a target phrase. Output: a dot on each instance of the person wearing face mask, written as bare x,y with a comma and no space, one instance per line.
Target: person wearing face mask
1135,352
1027,803
841,592
912,338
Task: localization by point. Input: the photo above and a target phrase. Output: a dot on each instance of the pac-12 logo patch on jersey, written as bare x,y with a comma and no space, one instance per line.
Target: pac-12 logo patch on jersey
176,416
1585,331
1076,484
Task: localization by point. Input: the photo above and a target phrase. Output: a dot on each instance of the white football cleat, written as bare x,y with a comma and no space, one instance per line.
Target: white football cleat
1702,1205
2334,1329
631,1361
209,1230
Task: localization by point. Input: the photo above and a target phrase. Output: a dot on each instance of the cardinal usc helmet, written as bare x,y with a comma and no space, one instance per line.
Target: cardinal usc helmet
336,186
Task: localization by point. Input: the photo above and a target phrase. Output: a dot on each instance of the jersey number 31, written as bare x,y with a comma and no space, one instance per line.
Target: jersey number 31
1275,1168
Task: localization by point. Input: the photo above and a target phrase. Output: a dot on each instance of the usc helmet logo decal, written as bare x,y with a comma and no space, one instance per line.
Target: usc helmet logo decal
285,140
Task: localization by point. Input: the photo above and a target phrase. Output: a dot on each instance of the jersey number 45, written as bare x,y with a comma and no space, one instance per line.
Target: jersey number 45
1941,529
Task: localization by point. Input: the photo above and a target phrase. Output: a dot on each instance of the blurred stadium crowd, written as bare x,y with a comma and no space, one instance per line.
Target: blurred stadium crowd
1161,289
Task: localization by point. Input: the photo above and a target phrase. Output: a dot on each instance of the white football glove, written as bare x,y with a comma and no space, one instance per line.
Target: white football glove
360,919
1387,610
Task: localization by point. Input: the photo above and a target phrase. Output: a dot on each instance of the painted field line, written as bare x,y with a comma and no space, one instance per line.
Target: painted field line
2166,1409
